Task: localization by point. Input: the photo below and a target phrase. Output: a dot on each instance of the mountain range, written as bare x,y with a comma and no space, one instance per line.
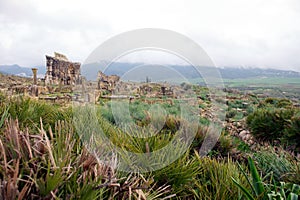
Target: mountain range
21,71
187,71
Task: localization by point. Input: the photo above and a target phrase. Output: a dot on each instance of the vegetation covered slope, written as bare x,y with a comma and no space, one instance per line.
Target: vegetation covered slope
42,157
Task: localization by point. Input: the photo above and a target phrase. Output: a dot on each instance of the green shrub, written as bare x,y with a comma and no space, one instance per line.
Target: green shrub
262,190
240,145
258,190
279,164
237,104
55,165
204,121
250,109
276,103
273,123
106,113
180,175
294,175
214,181
29,112
231,113
284,103
223,146
142,114
269,123
137,110
292,133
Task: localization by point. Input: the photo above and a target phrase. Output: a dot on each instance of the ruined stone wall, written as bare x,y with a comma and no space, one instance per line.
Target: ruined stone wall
106,82
61,71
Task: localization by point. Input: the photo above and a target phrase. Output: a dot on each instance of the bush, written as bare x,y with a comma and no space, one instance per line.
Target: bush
29,112
180,175
231,113
279,164
292,133
215,180
262,190
269,123
55,165
272,122
106,113
223,146
276,102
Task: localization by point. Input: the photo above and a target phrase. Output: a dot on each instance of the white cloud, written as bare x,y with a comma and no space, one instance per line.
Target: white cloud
233,32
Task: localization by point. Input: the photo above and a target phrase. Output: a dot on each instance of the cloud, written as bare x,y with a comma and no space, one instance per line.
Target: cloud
240,33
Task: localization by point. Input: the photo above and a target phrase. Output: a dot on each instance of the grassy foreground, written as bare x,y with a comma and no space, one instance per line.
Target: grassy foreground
42,157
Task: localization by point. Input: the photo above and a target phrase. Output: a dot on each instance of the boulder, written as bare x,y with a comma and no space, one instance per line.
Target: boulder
242,134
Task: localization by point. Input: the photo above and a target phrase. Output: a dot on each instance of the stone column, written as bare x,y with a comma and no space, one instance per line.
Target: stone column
34,71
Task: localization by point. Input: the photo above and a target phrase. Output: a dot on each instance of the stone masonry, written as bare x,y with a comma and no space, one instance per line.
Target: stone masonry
61,71
106,82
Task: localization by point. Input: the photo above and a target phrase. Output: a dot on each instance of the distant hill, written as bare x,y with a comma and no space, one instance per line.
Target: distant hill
15,69
233,73
189,72
20,71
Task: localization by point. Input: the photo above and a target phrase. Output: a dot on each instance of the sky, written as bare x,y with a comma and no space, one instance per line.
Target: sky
243,33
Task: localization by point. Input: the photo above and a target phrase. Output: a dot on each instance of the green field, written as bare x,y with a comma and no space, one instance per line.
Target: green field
263,82
256,82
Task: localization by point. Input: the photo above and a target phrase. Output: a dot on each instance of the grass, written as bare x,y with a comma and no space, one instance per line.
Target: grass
280,164
255,82
214,181
261,82
43,155
276,121
55,165
29,112
262,190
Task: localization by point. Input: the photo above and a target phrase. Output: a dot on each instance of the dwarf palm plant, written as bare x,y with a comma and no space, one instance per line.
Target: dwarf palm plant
213,181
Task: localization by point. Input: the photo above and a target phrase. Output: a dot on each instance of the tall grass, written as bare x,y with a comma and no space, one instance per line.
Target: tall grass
29,112
214,181
276,121
54,165
46,152
281,165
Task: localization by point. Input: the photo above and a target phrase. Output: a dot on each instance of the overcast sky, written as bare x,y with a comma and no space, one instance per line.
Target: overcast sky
257,33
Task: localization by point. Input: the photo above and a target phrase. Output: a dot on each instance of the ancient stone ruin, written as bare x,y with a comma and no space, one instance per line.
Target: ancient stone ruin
106,82
61,71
